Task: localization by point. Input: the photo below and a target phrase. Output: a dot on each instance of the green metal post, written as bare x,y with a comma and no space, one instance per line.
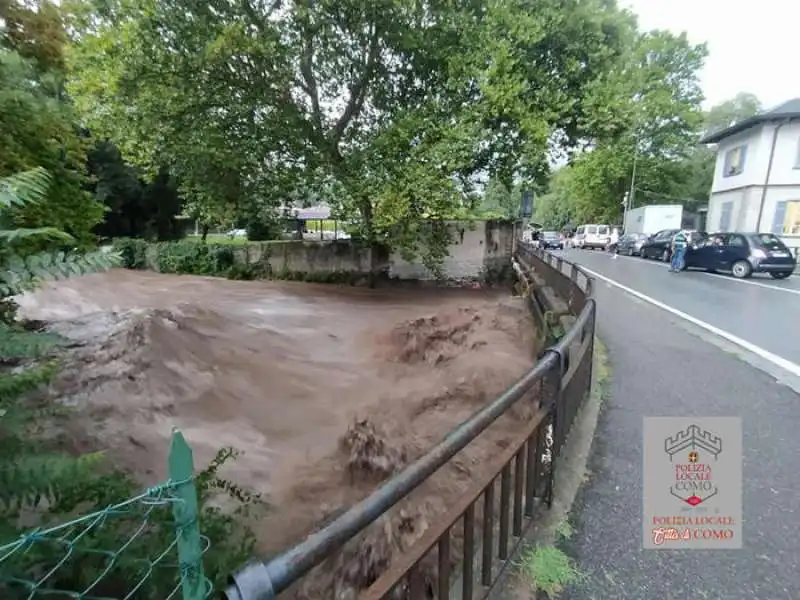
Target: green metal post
187,525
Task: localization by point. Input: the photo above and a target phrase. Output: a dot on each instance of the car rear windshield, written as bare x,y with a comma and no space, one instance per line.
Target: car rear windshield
591,230
768,241
550,235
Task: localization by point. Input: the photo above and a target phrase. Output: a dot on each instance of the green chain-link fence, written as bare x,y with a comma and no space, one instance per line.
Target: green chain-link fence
149,546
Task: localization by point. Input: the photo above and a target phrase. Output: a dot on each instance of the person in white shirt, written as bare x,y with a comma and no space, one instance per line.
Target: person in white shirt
612,243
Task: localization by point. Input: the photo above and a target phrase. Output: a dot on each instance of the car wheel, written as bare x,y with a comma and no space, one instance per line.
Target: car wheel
665,256
782,275
741,269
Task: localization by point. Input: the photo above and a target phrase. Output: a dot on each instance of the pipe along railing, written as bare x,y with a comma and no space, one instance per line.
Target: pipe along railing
559,382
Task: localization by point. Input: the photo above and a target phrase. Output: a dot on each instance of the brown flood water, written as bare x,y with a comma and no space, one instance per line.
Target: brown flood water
326,390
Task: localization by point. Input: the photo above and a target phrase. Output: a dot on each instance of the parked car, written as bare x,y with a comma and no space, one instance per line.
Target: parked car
551,239
659,245
237,233
742,254
630,244
593,237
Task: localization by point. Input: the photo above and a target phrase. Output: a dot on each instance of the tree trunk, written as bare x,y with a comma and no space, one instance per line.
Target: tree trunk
369,234
205,234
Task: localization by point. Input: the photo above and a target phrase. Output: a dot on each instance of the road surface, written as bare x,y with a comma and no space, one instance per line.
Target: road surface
760,311
664,364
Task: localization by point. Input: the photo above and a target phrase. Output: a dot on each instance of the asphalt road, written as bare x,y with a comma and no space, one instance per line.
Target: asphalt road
663,366
762,311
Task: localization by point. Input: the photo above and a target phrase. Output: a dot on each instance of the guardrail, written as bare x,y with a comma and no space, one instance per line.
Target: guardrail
484,527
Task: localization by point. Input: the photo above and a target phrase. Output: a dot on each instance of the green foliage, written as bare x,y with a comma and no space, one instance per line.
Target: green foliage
235,99
725,114
645,110
38,129
191,258
115,551
132,252
550,570
500,200
128,546
25,254
263,226
135,206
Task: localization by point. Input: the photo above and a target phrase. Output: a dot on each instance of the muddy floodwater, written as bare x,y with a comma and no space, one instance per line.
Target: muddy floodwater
326,390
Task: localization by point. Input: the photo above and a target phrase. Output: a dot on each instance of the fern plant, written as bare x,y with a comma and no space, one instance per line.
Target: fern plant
30,477
40,486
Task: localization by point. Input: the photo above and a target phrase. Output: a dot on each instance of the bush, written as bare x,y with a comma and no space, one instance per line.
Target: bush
263,230
133,252
191,258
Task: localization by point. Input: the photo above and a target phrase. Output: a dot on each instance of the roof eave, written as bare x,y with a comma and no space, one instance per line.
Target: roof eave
718,136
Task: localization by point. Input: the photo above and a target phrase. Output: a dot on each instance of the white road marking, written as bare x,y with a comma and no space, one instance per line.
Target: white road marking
725,277
776,360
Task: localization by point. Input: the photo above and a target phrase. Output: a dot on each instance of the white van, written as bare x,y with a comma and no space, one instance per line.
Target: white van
592,236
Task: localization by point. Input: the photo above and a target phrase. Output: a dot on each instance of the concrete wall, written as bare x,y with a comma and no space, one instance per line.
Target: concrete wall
309,257
479,249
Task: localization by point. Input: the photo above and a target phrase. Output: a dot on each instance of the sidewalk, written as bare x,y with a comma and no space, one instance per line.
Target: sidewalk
661,366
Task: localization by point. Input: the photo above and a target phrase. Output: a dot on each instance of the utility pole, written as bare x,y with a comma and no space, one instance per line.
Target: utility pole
627,203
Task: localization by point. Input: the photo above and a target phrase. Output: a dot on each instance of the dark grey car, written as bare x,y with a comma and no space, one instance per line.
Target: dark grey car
551,240
630,244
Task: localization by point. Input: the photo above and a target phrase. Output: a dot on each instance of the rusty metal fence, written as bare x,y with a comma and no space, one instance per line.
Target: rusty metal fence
463,553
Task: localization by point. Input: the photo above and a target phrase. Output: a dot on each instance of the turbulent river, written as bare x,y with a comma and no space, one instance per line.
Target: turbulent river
326,390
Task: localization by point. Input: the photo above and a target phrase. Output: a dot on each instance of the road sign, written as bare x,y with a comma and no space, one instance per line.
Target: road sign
526,210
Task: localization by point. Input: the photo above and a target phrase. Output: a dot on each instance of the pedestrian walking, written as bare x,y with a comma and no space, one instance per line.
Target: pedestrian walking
679,243
613,240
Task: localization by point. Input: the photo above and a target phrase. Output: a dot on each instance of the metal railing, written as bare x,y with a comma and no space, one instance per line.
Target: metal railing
464,552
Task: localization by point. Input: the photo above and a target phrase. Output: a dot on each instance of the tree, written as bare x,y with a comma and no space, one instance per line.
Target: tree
699,164
500,201
37,127
556,209
134,207
725,114
644,111
394,104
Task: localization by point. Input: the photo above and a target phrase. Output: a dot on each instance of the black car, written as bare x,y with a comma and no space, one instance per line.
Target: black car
551,239
659,245
742,254
631,243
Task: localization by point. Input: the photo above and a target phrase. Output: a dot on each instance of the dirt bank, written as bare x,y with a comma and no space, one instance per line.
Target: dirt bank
326,390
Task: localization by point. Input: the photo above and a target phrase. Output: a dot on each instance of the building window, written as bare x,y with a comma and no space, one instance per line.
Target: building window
791,219
734,161
725,216
778,218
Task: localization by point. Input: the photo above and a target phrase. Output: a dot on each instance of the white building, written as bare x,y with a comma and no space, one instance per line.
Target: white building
757,175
